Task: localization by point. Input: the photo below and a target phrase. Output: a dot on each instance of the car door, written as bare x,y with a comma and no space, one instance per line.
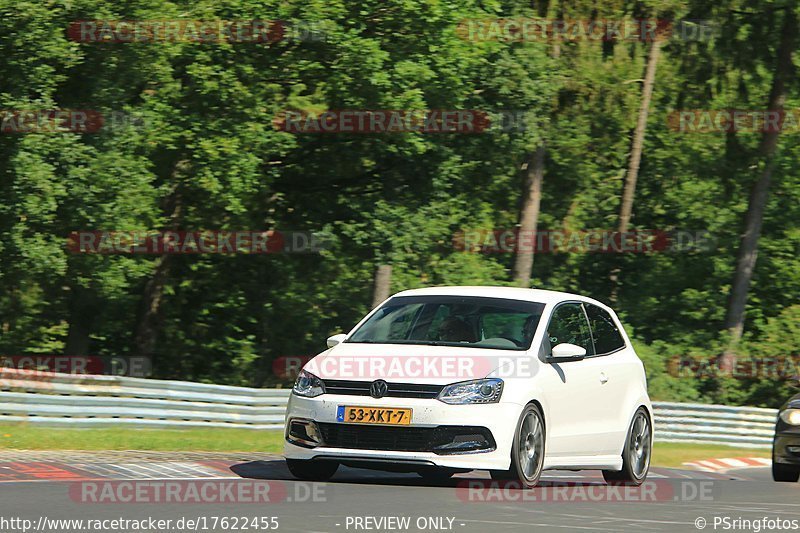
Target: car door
572,387
620,368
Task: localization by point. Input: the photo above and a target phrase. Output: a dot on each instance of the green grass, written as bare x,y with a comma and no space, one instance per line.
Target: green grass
24,437
674,454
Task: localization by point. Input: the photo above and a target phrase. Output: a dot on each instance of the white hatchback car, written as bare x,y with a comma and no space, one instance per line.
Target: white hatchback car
451,379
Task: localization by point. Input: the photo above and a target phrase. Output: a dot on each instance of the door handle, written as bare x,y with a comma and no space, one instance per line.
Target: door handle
603,378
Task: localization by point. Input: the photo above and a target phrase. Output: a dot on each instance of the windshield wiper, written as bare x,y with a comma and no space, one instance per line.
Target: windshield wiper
420,342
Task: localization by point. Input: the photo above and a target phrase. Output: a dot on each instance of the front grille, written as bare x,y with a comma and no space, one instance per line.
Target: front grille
441,439
396,390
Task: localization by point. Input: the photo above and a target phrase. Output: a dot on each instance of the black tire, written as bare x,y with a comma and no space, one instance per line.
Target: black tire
785,473
527,452
311,470
636,453
435,474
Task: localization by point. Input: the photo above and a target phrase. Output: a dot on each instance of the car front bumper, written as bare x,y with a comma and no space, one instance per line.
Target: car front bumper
499,419
786,447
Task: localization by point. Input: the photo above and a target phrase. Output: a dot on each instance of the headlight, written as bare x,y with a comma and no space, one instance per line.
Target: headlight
791,416
478,391
308,385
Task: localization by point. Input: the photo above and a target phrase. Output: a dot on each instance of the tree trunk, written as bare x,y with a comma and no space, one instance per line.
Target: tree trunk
748,249
82,311
638,138
383,284
265,351
149,322
150,317
532,193
529,216
629,189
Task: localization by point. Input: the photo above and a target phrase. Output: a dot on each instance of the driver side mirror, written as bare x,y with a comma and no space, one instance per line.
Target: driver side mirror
567,352
336,339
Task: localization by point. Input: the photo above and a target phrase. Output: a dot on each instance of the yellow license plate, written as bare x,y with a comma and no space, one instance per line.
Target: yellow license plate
388,416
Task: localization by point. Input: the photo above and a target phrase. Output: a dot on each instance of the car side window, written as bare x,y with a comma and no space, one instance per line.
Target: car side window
568,324
606,335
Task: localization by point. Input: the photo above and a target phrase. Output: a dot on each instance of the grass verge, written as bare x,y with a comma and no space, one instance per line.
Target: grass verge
674,454
24,437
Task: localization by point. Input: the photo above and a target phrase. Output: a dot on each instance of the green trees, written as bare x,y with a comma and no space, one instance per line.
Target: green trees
203,154
783,71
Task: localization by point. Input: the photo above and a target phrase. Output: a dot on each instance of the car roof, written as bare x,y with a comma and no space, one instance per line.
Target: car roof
511,293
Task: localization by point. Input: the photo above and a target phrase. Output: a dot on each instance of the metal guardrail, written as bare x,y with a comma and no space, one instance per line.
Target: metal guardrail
750,427
66,400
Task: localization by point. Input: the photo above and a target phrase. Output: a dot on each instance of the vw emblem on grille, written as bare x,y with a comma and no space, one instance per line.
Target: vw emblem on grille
378,388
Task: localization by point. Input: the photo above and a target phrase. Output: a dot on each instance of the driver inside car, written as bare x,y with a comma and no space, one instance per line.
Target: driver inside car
453,329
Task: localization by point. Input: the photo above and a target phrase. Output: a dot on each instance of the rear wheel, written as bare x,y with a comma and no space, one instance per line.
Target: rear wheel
527,451
311,470
785,473
636,453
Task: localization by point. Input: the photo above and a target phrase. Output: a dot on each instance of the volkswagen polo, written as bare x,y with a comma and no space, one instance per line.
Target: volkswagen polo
451,379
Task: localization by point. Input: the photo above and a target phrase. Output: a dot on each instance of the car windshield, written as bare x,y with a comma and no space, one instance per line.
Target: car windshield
452,321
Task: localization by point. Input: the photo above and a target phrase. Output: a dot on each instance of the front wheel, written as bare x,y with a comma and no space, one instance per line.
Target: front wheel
527,451
636,453
312,470
785,473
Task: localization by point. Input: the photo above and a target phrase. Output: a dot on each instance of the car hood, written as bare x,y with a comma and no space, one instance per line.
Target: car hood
403,363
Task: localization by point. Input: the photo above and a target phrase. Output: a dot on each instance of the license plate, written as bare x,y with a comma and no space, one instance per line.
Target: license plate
388,416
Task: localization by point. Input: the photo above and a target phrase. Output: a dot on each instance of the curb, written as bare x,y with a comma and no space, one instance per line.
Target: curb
721,465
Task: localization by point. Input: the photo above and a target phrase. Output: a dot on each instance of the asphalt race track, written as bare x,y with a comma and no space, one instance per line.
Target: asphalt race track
226,492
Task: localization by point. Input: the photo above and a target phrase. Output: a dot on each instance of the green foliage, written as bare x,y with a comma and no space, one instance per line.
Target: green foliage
206,156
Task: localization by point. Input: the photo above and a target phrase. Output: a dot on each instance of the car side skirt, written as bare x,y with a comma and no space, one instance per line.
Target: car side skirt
587,462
